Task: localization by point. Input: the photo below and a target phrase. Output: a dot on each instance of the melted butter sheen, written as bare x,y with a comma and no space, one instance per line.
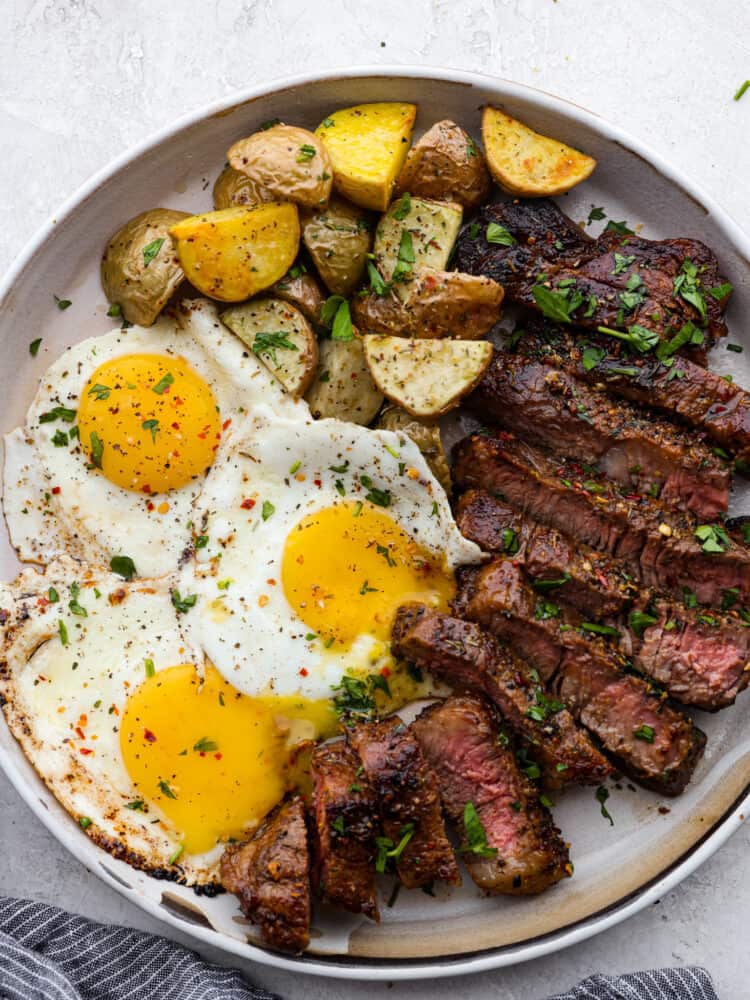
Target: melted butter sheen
347,568
149,421
213,760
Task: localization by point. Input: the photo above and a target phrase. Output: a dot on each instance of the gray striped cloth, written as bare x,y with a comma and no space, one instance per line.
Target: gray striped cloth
48,954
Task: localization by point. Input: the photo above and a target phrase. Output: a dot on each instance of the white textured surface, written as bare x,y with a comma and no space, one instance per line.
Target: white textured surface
80,80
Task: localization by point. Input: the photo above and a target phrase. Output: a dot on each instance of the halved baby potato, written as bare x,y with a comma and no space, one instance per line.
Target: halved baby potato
140,269
523,162
426,436
426,377
290,162
300,289
338,238
368,144
234,253
415,233
281,338
446,163
343,387
233,188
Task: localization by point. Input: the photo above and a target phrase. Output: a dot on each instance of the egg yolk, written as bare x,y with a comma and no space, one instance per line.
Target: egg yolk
347,568
214,761
149,422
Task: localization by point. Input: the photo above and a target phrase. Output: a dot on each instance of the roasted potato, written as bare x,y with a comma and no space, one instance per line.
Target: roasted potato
426,377
368,144
300,288
280,336
426,436
237,252
140,268
414,233
343,387
446,163
233,188
440,304
290,162
338,239
523,162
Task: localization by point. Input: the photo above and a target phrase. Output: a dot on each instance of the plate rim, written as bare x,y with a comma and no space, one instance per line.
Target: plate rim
357,968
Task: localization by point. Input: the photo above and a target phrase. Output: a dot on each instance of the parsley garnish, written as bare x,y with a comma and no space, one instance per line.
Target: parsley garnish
686,286
406,258
62,632
58,413
618,227
151,425
205,745
267,510
509,539
720,292
601,797
645,733
99,392
557,305
152,249
385,552
545,609
597,629
34,347
149,667
306,153
545,585
137,805
270,124
75,607
164,787
591,357
596,214
269,343
60,438
639,621
62,304
386,848
403,207
713,538
163,384
328,122
52,596
97,450
622,262
123,566
689,333
742,90
499,235
183,604
115,310
377,284
381,498
640,338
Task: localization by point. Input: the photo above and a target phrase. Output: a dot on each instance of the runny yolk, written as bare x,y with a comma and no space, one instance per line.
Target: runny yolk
149,422
213,760
347,568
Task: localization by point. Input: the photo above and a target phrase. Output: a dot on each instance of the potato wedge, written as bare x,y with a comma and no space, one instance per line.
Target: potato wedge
440,304
233,188
290,162
523,162
426,377
280,336
415,233
234,253
343,387
301,289
338,239
425,435
140,268
446,163
368,145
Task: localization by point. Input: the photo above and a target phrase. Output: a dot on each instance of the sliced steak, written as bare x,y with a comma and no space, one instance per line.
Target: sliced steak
651,741
595,583
658,544
682,389
406,790
467,657
617,281
524,851
556,410
270,875
346,825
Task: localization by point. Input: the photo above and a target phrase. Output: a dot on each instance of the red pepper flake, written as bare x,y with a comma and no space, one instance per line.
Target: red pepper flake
601,578
318,483
80,733
149,736
271,582
149,506
385,672
247,504
202,753
146,488
226,424
42,602
175,425
56,490
85,751
217,756
303,671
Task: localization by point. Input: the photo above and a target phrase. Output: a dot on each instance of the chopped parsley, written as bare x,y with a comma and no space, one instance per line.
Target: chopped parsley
639,621
645,733
403,207
381,498
270,124
596,629
99,392
622,262
267,510
97,450
596,214
743,88
75,607
84,822
591,357
149,668
306,153
499,235
689,333
545,585
387,849
204,745
618,227
163,384
137,805
601,797
720,292
713,538
476,835
509,540
62,631
58,413
406,257
557,305
60,438
377,284
640,338
687,287
152,249
151,425
545,609
123,566
115,310
183,604
270,343
62,304
166,790
34,347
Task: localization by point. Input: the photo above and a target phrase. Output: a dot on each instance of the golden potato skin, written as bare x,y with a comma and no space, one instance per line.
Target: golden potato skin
426,436
142,289
338,238
233,188
303,291
440,304
446,163
343,387
289,162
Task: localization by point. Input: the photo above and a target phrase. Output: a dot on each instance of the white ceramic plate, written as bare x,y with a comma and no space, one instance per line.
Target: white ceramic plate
618,870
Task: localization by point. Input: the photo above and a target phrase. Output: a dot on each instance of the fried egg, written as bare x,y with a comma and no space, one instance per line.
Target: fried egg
310,535
160,759
120,435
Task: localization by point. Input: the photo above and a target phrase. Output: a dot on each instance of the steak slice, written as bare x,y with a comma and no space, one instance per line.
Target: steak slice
650,740
656,543
346,825
552,408
617,281
682,389
270,875
406,789
525,852
589,580
467,657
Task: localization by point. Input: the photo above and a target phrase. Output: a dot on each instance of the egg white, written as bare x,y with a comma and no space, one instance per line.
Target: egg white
55,504
245,625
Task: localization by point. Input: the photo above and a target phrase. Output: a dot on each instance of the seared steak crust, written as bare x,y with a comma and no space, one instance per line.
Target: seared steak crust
467,657
588,579
458,738
406,790
556,410
551,250
657,543
345,813
270,875
654,743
